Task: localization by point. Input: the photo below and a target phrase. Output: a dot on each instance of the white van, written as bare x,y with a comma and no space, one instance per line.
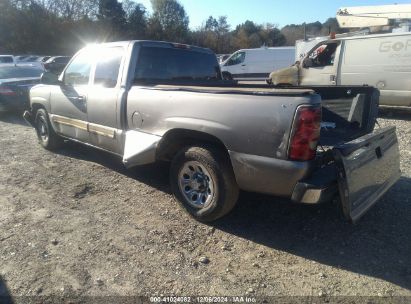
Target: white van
7,60
382,61
257,64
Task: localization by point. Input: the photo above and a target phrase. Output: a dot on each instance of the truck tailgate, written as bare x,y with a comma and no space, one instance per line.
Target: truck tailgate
367,167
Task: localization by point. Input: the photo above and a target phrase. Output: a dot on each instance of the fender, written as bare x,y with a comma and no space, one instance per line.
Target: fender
40,97
139,148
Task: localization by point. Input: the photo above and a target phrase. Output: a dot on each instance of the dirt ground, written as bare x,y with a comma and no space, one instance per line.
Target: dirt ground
76,223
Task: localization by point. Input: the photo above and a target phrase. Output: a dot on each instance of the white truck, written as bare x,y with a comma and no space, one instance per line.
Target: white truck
257,64
379,60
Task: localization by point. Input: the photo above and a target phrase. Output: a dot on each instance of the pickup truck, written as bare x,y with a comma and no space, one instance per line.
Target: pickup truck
148,101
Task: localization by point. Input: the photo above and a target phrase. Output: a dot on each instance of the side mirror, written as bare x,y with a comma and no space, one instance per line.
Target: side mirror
49,78
308,62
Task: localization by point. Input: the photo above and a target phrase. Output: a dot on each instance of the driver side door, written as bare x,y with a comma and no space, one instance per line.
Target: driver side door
236,65
68,100
320,66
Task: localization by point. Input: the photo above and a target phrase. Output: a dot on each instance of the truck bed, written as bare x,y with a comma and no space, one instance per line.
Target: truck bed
349,110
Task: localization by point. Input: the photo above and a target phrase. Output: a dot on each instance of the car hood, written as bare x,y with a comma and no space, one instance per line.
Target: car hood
288,76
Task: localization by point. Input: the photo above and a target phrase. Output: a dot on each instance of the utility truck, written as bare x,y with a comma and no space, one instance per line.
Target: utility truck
380,60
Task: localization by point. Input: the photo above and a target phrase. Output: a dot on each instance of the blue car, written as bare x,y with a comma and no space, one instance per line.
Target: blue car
15,84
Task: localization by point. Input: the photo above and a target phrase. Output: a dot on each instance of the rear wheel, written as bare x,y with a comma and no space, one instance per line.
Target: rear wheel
45,133
203,182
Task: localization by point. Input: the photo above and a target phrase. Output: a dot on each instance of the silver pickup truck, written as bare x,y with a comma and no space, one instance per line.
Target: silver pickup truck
147,101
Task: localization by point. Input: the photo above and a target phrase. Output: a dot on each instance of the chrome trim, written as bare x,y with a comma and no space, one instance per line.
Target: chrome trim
101,130
79,124
86,126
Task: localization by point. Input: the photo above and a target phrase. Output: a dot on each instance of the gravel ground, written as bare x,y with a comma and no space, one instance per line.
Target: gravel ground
76,223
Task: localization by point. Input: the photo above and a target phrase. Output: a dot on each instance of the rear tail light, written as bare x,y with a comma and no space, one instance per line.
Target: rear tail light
305,133
7,91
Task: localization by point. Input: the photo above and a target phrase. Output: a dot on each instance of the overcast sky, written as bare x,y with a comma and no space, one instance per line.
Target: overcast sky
272,11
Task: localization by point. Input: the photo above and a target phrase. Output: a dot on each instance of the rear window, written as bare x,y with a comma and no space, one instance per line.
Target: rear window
19,72
6,59
170,64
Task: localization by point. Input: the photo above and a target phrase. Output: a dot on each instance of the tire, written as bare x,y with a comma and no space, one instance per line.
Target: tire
227,76
45,133
210,177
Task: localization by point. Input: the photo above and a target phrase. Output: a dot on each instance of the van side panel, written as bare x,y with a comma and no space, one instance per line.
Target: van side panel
259,63
262,62
382,62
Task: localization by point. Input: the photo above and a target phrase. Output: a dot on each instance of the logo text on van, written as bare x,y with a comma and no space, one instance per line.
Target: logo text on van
398,46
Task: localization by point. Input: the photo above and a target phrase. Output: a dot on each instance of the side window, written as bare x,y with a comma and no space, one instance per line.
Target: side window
108,66
324,55
236,59
60,60
78,72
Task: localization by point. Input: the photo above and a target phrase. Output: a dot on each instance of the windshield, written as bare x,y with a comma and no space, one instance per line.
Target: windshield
6,59
158,63
19,72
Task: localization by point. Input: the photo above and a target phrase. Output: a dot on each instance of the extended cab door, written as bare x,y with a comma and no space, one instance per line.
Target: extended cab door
69,100
104,99
320,66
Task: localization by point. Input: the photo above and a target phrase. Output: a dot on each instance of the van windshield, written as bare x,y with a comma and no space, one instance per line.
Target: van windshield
6,59
162,64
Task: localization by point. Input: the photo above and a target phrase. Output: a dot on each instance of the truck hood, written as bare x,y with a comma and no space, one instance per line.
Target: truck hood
286,76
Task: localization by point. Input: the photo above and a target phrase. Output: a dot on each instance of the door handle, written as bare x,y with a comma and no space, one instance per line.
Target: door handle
243,65
79,98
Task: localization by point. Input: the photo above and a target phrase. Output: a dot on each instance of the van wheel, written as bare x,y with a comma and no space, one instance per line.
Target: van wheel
45,133
227,76
203,182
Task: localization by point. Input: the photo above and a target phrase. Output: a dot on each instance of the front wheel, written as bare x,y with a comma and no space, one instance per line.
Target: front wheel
45,133
227,76
203,182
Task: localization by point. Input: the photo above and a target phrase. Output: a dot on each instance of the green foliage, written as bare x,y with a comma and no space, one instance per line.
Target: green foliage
170,19
112,19
294,32
54,27
137,22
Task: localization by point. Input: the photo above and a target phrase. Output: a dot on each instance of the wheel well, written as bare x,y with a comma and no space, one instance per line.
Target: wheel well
35,107
227,75
174,140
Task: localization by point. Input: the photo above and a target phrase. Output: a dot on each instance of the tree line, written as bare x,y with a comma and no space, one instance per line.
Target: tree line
64,26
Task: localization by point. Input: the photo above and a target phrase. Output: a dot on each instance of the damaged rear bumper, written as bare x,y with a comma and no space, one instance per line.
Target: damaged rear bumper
363,170
321,187
359,172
